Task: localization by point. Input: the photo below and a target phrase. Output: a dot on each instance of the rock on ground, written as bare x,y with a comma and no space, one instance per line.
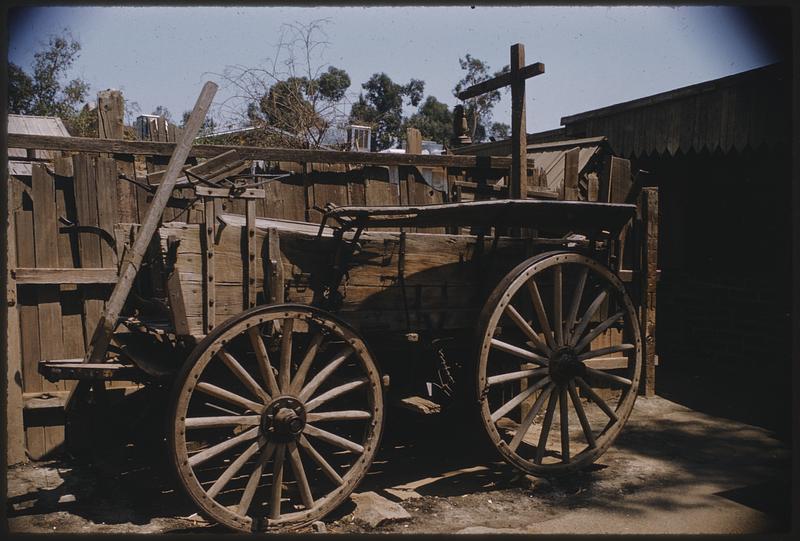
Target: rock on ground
374,510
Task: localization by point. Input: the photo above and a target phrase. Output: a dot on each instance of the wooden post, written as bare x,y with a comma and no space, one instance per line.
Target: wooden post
649,206
133,259
519,138
571,161
15,429
250,283
209,237
518,181
110,114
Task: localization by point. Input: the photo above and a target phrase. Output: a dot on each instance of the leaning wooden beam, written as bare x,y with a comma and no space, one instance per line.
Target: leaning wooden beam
86,144
133,258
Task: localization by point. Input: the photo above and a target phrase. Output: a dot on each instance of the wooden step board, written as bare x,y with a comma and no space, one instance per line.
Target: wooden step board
76,369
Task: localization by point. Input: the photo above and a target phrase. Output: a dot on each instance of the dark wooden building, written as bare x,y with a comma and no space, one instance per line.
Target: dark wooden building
719,151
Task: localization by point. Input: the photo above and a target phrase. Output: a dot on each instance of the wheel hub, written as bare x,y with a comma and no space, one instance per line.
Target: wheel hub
283,419
564,366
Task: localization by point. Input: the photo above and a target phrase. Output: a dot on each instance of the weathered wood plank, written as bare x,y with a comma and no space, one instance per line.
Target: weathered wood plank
85,185
46,255
65,275
15,428
85,144
107,212
570,192
110,114
126,192
29,328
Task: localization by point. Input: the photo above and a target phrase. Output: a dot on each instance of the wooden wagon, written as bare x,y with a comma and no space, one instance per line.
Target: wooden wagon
282,341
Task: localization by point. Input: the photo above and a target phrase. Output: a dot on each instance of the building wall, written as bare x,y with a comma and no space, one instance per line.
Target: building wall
725,290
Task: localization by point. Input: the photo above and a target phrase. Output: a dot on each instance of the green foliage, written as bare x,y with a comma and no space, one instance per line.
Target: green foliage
208,127
332,84
382,107
162,111
48,91
433,119
478,110
500,130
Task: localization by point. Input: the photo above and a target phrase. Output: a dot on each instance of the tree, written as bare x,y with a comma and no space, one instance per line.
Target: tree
433,119
478,110
499,130
208,127
382,107
295,100
48,91
161,110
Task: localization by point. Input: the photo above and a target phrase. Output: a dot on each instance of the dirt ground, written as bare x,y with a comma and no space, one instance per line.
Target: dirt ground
673,470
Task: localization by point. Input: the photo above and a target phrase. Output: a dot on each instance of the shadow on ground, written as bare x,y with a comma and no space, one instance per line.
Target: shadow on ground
668,458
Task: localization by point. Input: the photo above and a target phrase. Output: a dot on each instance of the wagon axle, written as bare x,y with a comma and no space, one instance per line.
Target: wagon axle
564,366
283,419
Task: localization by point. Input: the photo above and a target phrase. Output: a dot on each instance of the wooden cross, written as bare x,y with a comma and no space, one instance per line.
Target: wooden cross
519,140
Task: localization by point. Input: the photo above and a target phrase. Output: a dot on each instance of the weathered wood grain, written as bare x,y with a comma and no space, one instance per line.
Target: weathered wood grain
85,144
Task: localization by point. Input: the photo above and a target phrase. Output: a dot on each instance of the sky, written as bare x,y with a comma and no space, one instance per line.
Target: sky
593,56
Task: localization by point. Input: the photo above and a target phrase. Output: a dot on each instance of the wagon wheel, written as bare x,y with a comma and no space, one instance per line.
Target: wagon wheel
277,415
552,398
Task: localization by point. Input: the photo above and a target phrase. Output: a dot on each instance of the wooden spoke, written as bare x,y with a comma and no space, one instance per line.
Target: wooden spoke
519,352
587,316
517,400
576,401
333,393
333,439
586,340
220,408
239,371
520,322
609,377
558,278
221,447
596,399
232,398
540,313
605,351
277,481
576,303
513,376
300,476
548,420
254,479
523,427
327,469
227,420
323,374
347,415
232,470
286,355
300,377
564,417
263,361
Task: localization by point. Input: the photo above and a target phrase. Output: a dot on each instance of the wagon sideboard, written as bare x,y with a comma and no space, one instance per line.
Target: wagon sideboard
412,282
